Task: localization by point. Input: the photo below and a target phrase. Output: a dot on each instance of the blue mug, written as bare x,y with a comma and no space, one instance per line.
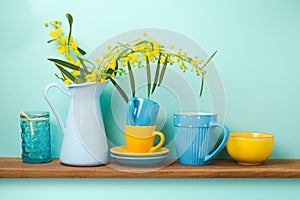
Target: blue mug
196,142
142,112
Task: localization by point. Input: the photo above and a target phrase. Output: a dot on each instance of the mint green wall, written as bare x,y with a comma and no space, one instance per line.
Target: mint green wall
258,59
149,189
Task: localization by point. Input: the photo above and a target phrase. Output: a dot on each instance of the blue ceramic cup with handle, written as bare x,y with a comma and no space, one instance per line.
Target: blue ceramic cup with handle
195,139
142,112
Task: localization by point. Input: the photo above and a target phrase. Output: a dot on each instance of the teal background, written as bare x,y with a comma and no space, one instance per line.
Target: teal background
258,58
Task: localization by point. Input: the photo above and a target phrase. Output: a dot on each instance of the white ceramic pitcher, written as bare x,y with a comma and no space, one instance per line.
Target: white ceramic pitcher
84,142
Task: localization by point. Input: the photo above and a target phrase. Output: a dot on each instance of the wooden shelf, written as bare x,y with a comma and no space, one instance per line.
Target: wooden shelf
15,168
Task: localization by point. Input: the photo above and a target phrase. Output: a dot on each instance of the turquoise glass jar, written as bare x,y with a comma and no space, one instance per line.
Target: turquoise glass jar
35,133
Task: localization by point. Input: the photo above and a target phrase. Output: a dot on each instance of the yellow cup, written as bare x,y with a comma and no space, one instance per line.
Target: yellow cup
140,139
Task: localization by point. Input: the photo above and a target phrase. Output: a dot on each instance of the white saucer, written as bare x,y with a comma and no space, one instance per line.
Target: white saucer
121,151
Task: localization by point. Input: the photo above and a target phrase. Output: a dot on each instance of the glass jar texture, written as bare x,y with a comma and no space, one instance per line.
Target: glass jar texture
35,133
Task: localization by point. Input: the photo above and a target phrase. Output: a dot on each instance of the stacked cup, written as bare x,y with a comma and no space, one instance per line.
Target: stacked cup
140,129
140,132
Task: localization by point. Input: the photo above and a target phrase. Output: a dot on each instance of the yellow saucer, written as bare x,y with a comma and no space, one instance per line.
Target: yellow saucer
121,151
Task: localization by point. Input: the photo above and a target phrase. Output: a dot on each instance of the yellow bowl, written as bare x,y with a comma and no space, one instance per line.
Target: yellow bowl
248,148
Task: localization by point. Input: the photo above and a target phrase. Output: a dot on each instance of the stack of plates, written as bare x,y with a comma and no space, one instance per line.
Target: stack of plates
123,157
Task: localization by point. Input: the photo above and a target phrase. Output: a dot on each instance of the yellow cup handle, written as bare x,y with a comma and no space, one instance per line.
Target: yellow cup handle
161,142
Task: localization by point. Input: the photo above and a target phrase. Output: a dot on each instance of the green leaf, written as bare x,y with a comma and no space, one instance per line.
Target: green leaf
209,59
109,72
148,76
50,40
81,51
116,68
202,85
156,74
202,78
120,90
141,42
64,76
80,79
70,20
66,73
85,69
152,46
64,63
132,81
123,52
163,71
82,72
59,77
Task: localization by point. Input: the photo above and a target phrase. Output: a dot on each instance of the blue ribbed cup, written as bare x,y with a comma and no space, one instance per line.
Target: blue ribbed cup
194,138
35,133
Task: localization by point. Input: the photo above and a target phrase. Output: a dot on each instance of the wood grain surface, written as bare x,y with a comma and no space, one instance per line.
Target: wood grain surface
15,168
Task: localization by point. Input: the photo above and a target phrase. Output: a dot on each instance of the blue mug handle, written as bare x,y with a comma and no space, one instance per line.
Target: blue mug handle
132,106
223,143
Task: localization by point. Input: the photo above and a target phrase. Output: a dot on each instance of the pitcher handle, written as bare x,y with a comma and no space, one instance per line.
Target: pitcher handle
223,143
61,124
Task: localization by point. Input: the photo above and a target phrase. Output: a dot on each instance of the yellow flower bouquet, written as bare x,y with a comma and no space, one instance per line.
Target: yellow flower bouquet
121,59
76,68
